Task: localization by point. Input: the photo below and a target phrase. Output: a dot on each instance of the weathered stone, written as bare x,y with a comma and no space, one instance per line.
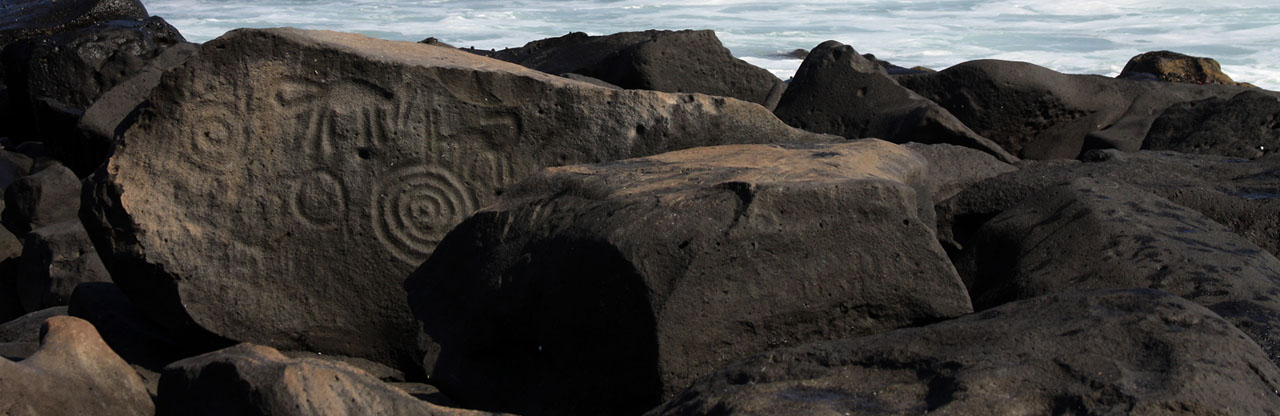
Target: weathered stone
953,168
349,158
1129,131
47,197
51,77
13,165
1176,67
73,373
689,61
18,351
603,289
1097,352
378,371
56,258
839,92
27,327
1246,125
251,379
1037,113
113,112
1238,193
1095,234
28,18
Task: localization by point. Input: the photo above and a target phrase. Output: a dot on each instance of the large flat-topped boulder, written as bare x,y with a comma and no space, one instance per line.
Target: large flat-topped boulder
282,183
603,289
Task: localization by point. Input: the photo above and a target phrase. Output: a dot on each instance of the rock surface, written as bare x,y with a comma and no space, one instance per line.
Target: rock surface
1246,125
295,226
1036,113
27,18
837,91
56,258
251,379
1095,234
688,61
953,168
603,289
27,327
13,166
1176,67
1097,352
47,197
137,340
10,256
73,372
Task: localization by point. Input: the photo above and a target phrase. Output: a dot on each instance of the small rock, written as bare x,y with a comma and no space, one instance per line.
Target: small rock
1175,67
56,258
47,197
27,327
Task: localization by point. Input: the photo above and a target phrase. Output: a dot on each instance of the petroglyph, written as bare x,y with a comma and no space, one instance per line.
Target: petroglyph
413,208
320,200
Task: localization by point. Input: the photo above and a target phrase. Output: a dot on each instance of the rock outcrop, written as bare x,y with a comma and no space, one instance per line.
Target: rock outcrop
686,61
603,289
73,372
1246,125
1097,352
1175,67
838,91
348,159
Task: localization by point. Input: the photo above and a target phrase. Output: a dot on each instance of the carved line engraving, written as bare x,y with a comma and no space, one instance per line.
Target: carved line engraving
319,200
413,208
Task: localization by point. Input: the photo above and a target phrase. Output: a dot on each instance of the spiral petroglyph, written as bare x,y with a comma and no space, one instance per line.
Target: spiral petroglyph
414,207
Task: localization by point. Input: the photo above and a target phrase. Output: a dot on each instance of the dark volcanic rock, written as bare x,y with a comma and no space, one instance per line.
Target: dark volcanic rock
56,258
1247,125
1036,113
73,373
953,168
839,92
603,289
47,197
28,18
27,327
13,165
348,159
1097,352
1093,234
660,60
1175,67
70,70
255,380
1241,194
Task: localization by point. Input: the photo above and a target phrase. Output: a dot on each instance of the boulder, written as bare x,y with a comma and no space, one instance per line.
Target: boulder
659,60
55,77
1098,352
13,166
113,112
10,256
348,160
27,327
1095,234
1238,193
47,197
1246,125
1175,67
839,92
953,168
29,18
1036,113
252,379
73,373
56,258
605,289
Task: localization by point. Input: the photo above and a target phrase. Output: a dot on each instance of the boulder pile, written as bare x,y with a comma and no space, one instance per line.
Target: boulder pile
297,222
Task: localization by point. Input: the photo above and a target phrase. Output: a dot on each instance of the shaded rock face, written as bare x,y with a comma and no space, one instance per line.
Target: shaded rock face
255,380
122,326
10,256
602,289
70,70
1095,352
1091,234
55,259
1246,125
1175,67
1238,193
688,61
27,327
1036,113
839,92
28,18
953,168
50,196
350,159
13,166
73,372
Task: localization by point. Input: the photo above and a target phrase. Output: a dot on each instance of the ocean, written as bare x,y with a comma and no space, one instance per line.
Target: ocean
1080,36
